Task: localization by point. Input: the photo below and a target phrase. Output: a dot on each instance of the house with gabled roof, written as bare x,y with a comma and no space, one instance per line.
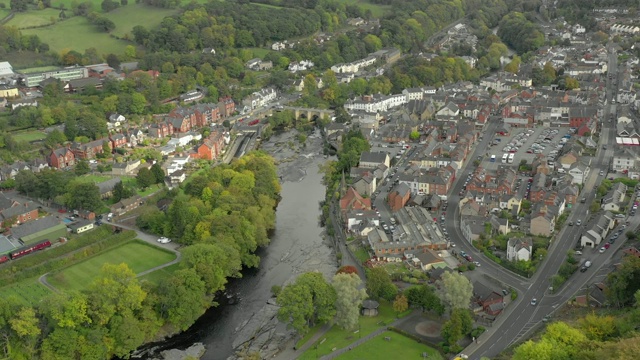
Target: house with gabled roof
519,249
61,158
614,198
399,197
353,200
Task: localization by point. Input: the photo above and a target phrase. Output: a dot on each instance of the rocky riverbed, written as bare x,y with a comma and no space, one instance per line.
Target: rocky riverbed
298,169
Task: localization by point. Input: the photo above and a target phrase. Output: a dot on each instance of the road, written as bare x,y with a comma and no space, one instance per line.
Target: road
521,317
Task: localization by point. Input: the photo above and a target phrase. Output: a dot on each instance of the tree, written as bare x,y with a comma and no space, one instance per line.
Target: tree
138,103
108,5
214,263
121,192
82,168
308,301
455,291
145,178
82,195
414,135
400,304
158,173
67,310
116,291
113,61
379,284
349,298
182,298
54,139
622,287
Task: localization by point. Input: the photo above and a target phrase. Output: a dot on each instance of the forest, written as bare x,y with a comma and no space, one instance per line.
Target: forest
222,217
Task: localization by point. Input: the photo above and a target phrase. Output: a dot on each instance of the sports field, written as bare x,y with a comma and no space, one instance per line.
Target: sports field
138,255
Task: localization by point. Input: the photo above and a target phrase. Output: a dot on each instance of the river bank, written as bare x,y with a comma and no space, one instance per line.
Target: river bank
297,228
247,323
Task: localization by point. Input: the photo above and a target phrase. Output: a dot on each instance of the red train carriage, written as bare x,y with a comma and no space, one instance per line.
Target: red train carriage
25,250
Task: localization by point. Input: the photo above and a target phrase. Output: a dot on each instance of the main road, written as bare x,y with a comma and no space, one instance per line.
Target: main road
520,317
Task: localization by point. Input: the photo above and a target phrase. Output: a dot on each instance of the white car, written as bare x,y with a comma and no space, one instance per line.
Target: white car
164,240
534,301
477,263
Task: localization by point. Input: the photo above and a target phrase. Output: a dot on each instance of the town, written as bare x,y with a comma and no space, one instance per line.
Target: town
479,182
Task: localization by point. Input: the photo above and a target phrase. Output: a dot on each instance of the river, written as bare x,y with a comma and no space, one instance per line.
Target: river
296,246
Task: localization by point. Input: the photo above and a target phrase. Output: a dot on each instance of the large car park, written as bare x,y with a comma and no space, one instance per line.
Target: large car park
527,144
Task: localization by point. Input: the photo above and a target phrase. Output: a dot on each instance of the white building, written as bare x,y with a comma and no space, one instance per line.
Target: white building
624,29
260,98
355,66
376,103
519,249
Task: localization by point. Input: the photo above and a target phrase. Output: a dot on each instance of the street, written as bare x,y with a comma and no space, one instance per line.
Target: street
519,318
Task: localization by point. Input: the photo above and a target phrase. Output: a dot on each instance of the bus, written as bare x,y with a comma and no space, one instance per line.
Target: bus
493,158
504,158
511,157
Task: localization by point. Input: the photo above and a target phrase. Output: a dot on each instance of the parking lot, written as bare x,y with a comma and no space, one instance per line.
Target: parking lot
525,144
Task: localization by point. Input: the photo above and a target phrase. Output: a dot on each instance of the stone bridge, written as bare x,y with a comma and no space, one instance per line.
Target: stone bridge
307,112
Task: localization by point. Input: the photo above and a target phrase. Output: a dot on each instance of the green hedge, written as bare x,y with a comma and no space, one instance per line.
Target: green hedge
42,262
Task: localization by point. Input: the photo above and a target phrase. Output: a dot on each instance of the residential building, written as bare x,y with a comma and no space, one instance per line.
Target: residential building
614,198
61,158
542,224
354,67
519,249
227,106
371,160
160,130
354,201
399,197
81,226
16,213
91,149
596,231
125,205
487,298
125,168
365,184
624,158
212,146
579,172
260,98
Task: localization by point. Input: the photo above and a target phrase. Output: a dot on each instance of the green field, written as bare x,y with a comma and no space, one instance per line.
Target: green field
27,292
139,255
338,338
160,274
28,136
94,178
131,15
77,34
34,18
399,347
376,10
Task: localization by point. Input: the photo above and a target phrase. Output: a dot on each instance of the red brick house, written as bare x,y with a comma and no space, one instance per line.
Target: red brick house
184,119
118,140
227,106
160,130
61,158
399,197
487,298
353,200
15,212
90,149
211,146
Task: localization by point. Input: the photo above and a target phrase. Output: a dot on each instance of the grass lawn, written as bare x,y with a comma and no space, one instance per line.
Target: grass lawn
94,178
131,15
312,331
158,275
399,347
31,135
34,18
77,34
28,292
139,255
259,52
338,338
376,10
361,254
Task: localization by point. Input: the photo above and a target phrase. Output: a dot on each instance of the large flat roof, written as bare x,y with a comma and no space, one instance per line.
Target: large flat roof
7,245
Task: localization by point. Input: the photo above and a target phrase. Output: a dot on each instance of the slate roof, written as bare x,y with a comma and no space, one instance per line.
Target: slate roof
35,226
108,185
